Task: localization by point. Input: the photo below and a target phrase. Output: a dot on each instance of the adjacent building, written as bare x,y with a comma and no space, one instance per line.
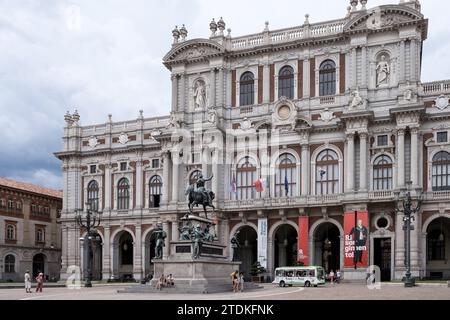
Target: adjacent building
30,237
311,133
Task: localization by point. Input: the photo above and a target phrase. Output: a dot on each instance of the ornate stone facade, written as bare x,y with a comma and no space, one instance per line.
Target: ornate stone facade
300,127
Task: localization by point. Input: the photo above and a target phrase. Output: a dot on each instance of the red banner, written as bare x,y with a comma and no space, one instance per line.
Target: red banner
356,244
303,241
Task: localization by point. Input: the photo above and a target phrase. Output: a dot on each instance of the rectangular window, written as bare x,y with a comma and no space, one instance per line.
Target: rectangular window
155,163
33,208
442,137
123,166
19,206
40,235
93,169
382,140
2,203
10,204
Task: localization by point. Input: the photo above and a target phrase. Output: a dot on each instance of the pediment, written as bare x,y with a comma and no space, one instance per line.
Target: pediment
383,17
192,51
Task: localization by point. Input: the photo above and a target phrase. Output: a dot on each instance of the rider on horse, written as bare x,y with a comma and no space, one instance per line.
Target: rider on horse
201,187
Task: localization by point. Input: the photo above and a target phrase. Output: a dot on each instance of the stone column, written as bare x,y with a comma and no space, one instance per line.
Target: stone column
175,231
107,187
139,186
354,69
363,162
306,165
401,157
364,66
175,177
137,266
215,172
402,61
106,272
412,65
266,83
221,87
182,103
415,156
350,162
166,183
212,102
399,247
166,248
174,79
306,79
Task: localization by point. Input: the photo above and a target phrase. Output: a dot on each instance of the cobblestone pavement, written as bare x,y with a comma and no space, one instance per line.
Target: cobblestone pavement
270,292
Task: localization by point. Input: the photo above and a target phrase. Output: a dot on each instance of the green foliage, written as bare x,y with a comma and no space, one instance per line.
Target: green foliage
257,269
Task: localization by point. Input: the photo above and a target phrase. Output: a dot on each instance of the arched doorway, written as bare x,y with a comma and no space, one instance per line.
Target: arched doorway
39,264
327,247
438,249
123,256
97,258
150,244
248,249
285,245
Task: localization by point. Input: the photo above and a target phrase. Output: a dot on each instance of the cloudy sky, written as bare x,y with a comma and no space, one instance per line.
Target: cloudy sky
105,57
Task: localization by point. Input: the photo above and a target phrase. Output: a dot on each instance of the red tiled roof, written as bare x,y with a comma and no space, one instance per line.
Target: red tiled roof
30,188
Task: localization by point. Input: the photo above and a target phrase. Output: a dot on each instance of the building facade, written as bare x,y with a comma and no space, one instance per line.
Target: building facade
310,132
31,236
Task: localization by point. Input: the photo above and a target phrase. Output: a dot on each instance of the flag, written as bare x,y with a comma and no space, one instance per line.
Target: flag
259,185
286,185
233,186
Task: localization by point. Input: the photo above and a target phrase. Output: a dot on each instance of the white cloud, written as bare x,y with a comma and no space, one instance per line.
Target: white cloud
105,57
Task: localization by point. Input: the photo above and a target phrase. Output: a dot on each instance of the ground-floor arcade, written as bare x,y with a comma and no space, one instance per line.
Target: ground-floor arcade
337,238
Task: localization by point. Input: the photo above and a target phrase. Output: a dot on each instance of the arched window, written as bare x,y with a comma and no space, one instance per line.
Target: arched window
194,177
382,173
286,176
286,83
436,245
10,232
10,264
327,172
92,195
155,189
247,89
123,194
441,171
245,177
327,78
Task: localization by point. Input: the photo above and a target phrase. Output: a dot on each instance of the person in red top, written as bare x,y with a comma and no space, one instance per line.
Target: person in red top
40,282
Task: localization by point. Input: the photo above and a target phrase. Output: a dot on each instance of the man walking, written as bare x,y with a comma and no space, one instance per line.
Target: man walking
40,282
27,282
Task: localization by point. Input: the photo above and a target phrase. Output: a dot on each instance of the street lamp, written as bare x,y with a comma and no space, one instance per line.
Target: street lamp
405,205
89,221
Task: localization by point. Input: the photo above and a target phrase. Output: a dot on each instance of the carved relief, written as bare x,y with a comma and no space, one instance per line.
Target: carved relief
123,138
327,116
93,142
441,102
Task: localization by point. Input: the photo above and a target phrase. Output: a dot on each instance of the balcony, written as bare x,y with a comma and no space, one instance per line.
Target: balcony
436,88
437,195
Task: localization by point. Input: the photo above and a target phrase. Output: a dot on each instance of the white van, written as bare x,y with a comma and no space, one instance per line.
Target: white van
299,276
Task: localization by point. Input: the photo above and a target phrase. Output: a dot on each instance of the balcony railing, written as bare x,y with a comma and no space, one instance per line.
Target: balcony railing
435,88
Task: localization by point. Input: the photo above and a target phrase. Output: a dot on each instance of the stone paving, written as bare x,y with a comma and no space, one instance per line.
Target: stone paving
269,292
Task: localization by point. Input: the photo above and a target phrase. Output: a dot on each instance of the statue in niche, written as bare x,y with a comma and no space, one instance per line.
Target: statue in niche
383,71
200,95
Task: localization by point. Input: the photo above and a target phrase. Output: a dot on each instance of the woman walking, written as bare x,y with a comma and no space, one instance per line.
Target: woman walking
40,282
27,282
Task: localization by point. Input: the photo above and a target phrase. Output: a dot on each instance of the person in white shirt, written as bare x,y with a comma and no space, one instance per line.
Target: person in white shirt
27,282
332,277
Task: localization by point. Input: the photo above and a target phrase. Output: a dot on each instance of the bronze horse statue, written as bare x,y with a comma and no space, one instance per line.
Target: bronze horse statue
198,197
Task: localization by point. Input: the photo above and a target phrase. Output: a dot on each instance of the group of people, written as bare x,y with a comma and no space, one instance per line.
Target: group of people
335,277
39,282
165,282
237,281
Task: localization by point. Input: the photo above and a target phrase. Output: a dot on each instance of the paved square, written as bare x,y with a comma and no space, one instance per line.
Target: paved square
269,292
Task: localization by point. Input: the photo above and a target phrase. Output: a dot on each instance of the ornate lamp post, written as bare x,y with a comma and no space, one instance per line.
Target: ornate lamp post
89,221
409,207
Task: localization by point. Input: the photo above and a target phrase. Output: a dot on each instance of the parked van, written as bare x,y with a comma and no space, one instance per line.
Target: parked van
299,276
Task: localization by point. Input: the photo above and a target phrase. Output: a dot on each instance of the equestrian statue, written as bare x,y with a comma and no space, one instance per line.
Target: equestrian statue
200,195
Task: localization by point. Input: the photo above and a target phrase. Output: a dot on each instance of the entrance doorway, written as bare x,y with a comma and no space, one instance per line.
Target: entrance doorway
327,246
438,249
38,264
150,244
285,244
248,250
382,257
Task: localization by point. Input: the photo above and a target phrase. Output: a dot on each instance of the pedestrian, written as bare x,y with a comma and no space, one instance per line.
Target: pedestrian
40,282
161,282
241,282
235,281
338,276
27,282
332,277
